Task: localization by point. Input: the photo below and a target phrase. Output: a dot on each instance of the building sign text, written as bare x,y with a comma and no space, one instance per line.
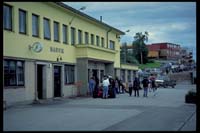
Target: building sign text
56,50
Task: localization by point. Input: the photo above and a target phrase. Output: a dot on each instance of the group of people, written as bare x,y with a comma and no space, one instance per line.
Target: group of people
148,84
112,86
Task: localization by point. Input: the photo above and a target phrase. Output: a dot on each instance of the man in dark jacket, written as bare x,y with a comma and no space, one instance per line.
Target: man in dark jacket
136,86
145,83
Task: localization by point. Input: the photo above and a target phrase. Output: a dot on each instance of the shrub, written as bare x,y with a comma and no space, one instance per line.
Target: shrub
190,97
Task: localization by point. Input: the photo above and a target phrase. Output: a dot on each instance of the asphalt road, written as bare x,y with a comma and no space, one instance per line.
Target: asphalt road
165,111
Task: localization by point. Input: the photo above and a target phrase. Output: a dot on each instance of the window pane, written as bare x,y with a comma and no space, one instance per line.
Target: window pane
12,73
64,34
86,37
6,73
92,39
72,35
35,25
20,73
102,42
47,33
22,21
79,37
56,32
97,40
69,74
7,17
112,45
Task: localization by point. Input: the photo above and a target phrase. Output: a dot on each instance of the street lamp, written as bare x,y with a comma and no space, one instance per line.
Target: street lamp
82,8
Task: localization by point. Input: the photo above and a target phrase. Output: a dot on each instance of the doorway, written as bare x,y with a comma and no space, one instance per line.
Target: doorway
57,81
95,73
40,81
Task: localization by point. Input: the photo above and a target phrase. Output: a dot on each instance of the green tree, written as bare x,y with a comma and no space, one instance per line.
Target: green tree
127,56
123,53
139,46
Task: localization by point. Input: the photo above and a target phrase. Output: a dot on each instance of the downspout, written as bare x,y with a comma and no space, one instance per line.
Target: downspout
107,35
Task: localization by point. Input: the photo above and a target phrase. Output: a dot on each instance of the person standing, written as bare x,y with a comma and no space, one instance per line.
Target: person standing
136,86
113,88
105,87
149,85
130,87
153,85
91,86
96,83
145,83
117,85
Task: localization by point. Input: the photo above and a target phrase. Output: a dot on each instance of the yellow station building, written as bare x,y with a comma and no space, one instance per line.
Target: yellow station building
52,50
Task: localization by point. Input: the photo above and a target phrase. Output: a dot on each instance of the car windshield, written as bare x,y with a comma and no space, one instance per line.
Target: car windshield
163,77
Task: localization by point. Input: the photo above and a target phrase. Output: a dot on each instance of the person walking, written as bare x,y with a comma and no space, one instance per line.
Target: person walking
145,83
153,84
117,85
149,85
136,86
130,87
112,88
91,86
105,87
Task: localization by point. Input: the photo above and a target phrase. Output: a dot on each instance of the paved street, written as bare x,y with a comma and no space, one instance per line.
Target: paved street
166,111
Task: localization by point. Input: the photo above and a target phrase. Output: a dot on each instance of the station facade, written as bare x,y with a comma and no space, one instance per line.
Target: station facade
52,51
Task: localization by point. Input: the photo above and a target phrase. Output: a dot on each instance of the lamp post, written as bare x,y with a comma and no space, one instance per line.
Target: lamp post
127,31
82,8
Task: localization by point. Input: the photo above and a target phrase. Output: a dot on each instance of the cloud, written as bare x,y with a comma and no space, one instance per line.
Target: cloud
173,22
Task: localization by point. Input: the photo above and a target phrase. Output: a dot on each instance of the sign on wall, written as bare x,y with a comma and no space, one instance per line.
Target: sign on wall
36,47
56,50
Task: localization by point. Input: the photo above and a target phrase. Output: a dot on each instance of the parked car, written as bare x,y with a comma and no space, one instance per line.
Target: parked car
164,81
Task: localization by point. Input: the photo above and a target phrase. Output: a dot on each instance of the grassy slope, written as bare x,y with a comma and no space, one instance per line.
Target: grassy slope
149,65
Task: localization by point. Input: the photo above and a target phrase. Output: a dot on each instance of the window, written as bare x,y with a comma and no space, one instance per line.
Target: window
47,32
79,37
97,40
69,74
129,75
101,75
56,31
112,45
35,25
92,39
22,21
123,75
72,35
13,73
64,34
7,17
102,42
86,38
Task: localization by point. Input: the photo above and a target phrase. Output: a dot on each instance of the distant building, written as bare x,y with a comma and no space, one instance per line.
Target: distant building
164,51
186,56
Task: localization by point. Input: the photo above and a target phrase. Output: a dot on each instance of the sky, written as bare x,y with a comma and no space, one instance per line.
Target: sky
173,22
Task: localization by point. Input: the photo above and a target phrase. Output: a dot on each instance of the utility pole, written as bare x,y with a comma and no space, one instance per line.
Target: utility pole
141,53
141,57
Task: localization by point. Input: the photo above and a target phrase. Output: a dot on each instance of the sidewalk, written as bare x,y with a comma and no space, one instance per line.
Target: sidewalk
167,111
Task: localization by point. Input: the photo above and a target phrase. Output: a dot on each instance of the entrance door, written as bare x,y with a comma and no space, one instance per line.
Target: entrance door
94,73
40,81
57,81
